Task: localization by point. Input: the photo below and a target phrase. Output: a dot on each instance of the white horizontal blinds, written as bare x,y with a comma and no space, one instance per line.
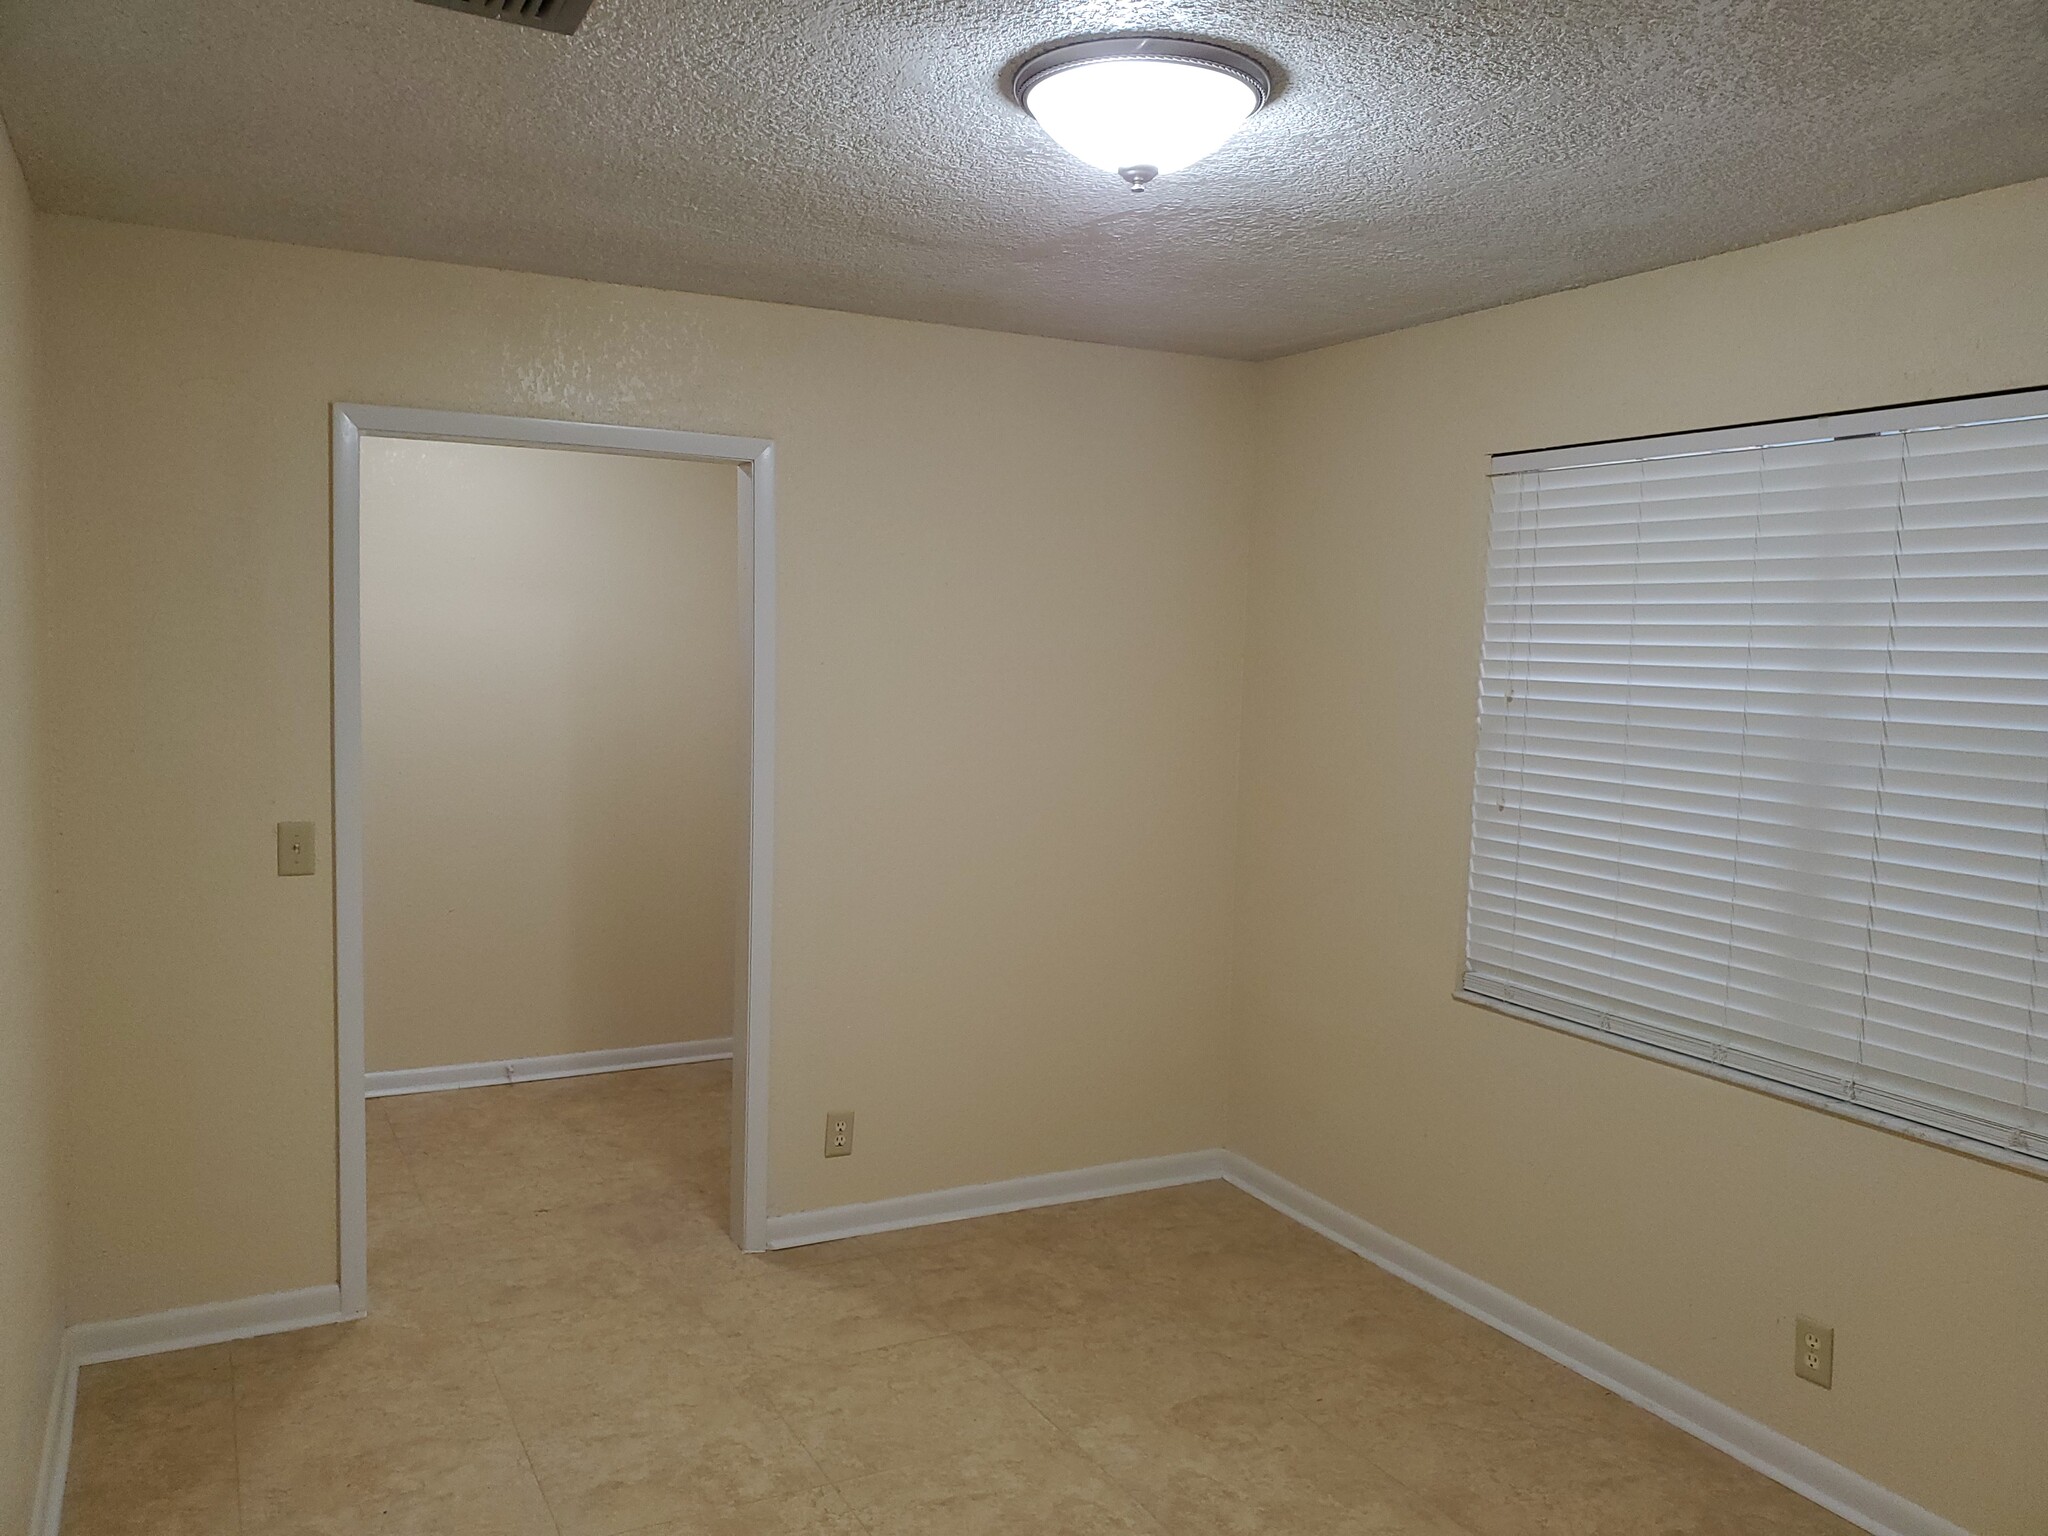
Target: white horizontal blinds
1954,1008
1763,763
1823,574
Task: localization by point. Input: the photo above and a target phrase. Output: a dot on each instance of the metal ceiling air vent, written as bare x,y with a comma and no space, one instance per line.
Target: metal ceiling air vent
563,16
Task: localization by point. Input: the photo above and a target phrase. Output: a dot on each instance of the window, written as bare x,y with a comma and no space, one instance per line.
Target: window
1762,779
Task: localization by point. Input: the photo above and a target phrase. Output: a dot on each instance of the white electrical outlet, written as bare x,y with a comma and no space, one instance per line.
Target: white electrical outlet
1813,1352
839,1133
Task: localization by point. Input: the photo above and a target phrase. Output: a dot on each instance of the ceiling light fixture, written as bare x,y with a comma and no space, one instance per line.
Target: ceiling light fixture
1141,107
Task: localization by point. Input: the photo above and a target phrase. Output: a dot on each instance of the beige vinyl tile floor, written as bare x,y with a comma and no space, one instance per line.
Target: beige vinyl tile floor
563,1340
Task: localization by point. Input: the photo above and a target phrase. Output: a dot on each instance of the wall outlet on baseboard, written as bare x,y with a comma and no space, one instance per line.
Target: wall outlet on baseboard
1813,1352
839,1133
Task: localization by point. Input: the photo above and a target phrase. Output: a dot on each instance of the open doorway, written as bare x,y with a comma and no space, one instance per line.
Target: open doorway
566,765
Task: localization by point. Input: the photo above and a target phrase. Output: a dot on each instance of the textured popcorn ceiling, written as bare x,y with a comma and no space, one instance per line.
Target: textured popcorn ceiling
1423,157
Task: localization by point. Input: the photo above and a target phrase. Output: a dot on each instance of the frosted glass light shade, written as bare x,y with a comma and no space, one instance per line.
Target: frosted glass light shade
1141,107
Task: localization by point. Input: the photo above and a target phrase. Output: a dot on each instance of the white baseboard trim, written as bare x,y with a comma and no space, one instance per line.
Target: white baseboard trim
216,1322
46,1515
1776,1455
157,1333
1779,1457
533,1069
941,1205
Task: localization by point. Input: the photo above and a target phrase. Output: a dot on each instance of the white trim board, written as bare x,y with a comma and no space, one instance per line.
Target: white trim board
215,1322
46,1514
1776,1455
1755,1444
969,1200
534,1069
156,1333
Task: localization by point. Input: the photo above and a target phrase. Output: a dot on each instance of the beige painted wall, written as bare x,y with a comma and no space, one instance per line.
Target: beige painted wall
554,763
1679,1219
1012,621
1012,631
30,1312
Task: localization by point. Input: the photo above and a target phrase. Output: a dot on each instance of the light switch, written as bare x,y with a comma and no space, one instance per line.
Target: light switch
295,847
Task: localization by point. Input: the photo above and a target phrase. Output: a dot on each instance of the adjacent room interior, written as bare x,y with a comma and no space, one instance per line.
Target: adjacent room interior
553,787
927,770
553,760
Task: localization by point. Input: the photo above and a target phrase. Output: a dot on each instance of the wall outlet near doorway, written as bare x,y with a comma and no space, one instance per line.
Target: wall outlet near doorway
839,1133
295,848
1813,1352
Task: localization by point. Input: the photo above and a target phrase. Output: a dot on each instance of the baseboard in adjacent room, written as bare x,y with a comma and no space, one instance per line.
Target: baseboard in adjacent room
532,1069
942,1205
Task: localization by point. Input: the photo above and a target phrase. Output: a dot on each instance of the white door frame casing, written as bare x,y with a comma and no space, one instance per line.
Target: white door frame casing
755,460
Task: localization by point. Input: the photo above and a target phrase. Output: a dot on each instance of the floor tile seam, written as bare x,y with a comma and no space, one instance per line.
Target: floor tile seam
1108,1474
1066,1437
919,1461
1423,1499
932,1315
891,1258
527,1209
1138,1496
407,1151
896,1276
854,1509
460,1329
825,1479
518,1434
759,1365
1109,1477
404,1157
235,1436
411,1186
668,1522
1069,1444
